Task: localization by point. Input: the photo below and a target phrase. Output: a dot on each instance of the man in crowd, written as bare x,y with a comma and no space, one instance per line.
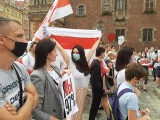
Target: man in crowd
128,102
18,96
29,59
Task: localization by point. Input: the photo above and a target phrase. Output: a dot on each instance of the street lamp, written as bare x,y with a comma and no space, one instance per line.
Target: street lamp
100,25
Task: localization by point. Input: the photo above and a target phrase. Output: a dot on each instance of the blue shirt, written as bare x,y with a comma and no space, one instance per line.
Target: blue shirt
128,101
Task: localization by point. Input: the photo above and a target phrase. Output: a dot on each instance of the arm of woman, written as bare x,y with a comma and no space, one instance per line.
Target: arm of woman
92,50
63,53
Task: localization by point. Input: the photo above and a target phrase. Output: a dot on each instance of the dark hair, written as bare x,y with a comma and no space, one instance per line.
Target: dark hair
135,70
43,48
4,25
112,46
156,51
123,58
99,51
82,64
4,21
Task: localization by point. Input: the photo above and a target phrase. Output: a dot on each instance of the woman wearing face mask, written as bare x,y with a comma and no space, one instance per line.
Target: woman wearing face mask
78,64
47,80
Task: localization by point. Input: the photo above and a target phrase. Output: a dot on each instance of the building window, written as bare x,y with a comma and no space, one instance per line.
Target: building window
147,35
12,13
7,10
119,32
106,7
43,1
1,8
31,2
36,2
120,5
149,5
80,10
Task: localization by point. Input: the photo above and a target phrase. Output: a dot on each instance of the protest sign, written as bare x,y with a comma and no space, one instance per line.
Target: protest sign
69,95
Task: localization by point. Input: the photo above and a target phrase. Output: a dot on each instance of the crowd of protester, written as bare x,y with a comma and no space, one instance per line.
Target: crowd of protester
30,83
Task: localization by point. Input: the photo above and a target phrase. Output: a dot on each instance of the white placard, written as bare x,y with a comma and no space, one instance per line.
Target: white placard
120,40
69,95
158,55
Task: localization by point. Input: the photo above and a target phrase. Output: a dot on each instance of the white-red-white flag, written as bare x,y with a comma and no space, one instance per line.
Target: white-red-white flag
68,38
59,9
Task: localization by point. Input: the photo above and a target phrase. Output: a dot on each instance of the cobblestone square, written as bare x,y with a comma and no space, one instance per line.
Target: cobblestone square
146,100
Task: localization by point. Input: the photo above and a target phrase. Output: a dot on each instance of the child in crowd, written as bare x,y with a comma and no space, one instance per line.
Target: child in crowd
128,102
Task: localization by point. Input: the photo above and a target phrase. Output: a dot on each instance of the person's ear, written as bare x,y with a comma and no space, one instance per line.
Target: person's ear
1,39
136,80
48,56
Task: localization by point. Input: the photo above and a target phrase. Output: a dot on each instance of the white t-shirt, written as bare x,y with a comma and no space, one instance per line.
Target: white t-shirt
120,76
80,80
28,61
56,78
59,62
156,65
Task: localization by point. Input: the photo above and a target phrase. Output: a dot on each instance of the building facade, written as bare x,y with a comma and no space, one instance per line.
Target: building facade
136,20
25,19
16,10
38,9
2,8
12,11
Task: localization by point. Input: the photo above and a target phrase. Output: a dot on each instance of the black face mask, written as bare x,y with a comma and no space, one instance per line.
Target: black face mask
19,48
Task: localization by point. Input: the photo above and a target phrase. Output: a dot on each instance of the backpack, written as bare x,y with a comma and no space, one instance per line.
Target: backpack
113,103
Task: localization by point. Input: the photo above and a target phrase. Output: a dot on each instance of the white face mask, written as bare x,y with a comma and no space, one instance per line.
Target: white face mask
76,57
143,55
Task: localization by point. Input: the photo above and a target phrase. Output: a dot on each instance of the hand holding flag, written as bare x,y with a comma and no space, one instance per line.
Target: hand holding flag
59,9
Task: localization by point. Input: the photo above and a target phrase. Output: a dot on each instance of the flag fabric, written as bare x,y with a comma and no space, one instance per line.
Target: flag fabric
68,38
59,9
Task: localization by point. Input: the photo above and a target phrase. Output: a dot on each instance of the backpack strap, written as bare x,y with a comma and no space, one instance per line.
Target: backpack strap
124,91
57,71
20,85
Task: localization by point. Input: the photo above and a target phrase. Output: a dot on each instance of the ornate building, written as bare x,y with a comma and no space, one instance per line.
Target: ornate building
136,20
37,11
2,6
25,20
16,10
9,9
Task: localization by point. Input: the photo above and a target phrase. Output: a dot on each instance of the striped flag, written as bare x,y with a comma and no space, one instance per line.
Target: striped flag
68,38
59,9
